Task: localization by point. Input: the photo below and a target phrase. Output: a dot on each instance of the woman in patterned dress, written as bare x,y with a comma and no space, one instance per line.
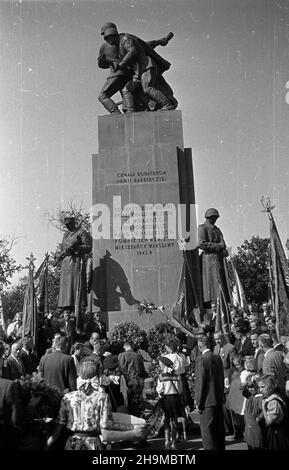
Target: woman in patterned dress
86,414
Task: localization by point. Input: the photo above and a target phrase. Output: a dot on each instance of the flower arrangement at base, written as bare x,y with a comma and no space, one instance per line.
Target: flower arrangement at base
148,307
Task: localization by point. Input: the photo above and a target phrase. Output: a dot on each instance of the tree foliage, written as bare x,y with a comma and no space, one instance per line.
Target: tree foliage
8,265
251,261
12,300
157,336
82,217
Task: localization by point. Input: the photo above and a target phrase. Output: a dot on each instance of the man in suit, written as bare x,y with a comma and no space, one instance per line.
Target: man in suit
14,366
258,352
68,328
209,396
57,368
243,344
227,352
9,412
28,355
99,326
273,363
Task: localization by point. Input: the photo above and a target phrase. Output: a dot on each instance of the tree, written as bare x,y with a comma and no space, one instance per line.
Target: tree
251,261
12,299
8,265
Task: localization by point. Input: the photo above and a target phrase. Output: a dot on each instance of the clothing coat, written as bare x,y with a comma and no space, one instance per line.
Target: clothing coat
245,349
273,365
213,262
14,368
209,386
30,361
58,370
132,362
76,243
209,396
9,414
227,354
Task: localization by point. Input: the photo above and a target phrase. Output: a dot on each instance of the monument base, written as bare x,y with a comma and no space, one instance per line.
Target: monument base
139,161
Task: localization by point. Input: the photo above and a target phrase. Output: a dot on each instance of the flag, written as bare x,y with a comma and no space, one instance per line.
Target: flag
179,312
223,319
30,323
280,284
42,275
238,294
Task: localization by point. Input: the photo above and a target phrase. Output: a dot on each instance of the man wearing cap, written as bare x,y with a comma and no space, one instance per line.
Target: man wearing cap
273,360
209,396
75,247
131,59
213,259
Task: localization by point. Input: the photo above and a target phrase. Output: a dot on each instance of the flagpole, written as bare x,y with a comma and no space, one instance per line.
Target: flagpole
268,208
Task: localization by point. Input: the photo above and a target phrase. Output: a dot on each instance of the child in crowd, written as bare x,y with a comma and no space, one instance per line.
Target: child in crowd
253,435
275,414
169,389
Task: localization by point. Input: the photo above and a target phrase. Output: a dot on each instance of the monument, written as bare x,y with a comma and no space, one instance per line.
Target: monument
141,176
141,161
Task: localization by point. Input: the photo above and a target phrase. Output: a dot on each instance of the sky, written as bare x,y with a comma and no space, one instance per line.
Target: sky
230,74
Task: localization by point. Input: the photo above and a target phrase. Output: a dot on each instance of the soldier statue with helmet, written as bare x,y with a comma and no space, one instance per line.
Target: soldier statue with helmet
213,259
136,71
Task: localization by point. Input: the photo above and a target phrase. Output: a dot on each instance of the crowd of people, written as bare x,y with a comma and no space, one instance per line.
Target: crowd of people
239,385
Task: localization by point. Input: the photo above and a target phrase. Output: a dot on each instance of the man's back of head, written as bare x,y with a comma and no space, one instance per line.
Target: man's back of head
128,346
265,342
60,343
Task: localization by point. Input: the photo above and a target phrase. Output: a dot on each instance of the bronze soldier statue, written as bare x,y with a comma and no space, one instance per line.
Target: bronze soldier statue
213,259
136,71
75,247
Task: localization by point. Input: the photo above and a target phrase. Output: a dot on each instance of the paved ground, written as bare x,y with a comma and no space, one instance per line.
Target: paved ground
194,442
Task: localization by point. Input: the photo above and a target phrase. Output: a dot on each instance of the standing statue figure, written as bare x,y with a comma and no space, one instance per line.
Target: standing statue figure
213,259
75,247
136,71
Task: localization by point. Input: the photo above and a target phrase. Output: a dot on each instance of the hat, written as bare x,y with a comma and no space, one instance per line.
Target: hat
68,218
211,213
108,29
166,361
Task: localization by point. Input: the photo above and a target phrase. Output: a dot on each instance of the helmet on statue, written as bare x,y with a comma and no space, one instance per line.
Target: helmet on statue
211,213
108,29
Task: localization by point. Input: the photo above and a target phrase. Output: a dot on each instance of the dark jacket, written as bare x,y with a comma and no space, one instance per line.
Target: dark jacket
273,365
58,370
9,414
245,349
132,362
209,386
14,370
226,353
29,360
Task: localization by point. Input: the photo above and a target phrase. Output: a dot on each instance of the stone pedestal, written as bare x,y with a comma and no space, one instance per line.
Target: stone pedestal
140,158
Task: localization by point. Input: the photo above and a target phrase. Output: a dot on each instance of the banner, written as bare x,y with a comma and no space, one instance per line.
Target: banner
238,293
223,319
280,281
179,312
30,324
42,274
